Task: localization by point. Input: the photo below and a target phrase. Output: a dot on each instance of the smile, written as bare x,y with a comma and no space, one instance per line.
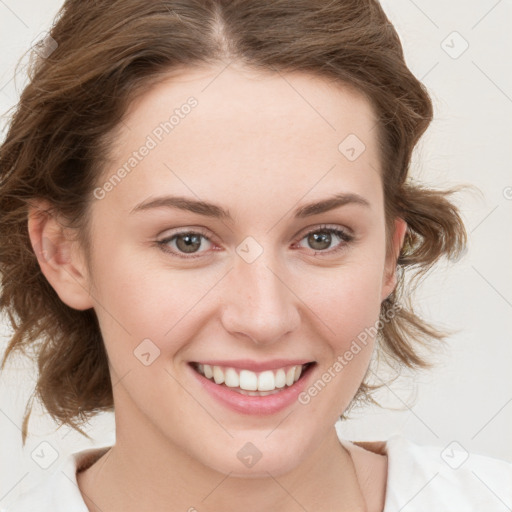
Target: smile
251,383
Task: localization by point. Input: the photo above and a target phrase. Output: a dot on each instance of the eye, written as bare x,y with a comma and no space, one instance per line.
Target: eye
187,244
321,238
184,243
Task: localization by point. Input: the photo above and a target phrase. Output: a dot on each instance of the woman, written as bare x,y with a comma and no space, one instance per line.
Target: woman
207,216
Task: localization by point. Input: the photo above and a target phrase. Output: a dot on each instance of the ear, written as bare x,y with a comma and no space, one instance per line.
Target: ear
58,256
389,279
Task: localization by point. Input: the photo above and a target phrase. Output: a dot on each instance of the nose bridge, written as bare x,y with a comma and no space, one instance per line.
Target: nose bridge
259,303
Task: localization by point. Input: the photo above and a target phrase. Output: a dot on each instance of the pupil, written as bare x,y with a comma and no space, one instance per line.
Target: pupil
189,243
324,238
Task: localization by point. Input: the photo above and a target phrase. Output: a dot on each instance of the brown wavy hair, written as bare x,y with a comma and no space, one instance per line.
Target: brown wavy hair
100,55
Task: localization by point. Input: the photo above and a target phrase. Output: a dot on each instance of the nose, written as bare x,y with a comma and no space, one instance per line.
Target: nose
259,302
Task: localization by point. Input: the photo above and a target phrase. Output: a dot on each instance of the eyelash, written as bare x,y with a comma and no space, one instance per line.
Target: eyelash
343,235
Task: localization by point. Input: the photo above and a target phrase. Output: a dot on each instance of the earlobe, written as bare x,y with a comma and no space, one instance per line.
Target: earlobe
390,281
57,256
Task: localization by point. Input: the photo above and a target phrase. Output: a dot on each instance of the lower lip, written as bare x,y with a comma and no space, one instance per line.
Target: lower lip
259,405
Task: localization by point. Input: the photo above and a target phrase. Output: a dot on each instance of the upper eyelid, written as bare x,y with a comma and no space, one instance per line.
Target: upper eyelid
206,233
320,227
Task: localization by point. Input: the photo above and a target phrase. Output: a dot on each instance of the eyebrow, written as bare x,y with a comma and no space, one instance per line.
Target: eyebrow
216,211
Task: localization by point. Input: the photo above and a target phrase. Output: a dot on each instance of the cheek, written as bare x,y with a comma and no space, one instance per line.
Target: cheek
137,301
346,299
348,305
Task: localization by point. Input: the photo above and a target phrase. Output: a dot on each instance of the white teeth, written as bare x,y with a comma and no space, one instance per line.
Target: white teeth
280,378
266,381
208,372
231,378
218,375
247,380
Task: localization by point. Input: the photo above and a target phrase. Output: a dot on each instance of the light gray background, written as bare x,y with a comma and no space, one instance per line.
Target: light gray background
467,398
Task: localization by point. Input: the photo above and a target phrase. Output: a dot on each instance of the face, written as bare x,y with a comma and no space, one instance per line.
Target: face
258,281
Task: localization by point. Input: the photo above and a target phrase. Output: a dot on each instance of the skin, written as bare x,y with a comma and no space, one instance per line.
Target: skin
259,148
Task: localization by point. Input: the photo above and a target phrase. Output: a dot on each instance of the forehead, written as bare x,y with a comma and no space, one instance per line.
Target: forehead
211,130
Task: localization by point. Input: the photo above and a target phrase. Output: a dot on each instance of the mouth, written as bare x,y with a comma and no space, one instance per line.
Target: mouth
251,383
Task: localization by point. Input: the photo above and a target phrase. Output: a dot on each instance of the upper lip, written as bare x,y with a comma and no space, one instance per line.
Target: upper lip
255,366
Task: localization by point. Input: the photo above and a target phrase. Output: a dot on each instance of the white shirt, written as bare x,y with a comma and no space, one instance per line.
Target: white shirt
420,479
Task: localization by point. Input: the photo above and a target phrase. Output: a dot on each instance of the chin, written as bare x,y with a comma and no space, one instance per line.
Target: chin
248,459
